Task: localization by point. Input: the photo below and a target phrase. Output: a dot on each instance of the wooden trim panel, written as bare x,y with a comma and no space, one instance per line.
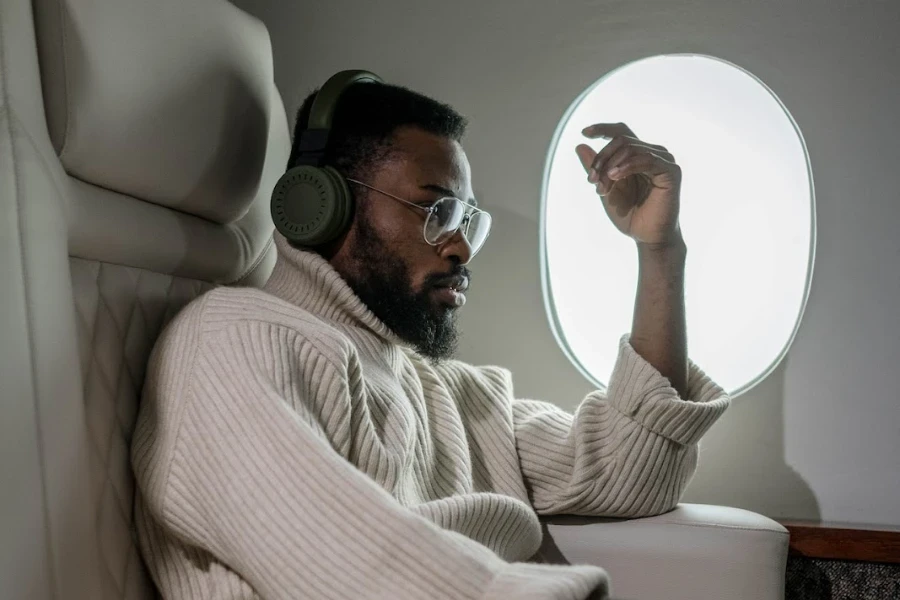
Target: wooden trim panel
844,541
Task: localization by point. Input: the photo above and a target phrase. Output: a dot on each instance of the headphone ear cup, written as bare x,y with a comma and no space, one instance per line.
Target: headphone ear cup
311,206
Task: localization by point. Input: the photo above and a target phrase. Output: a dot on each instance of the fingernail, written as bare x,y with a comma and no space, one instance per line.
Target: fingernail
593,176
614,172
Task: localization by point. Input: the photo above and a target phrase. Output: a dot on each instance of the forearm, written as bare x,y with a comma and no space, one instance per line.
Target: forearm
627,451
658,330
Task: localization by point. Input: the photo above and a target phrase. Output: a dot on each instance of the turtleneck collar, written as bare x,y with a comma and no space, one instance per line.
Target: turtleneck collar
307,280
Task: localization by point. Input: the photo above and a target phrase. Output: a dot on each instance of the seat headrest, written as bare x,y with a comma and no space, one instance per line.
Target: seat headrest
167,101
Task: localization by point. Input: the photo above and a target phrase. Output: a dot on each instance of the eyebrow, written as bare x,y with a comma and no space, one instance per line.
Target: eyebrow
447,192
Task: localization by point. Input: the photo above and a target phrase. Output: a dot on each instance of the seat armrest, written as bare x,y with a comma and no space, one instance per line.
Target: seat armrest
694,552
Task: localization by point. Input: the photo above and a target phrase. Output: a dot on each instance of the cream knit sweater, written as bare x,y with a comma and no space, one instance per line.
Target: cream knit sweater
290,446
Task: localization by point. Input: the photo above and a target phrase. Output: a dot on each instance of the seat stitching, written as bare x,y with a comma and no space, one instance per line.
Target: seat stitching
256,262
107,480
713,526
127,266
126,367
106,484
93,328
112,389
86,326
98,451
645,523
90,371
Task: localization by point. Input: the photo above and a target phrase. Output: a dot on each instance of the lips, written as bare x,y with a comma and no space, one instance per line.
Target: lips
452,290
457,283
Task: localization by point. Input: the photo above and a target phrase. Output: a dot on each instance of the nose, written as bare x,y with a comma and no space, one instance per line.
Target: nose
457,248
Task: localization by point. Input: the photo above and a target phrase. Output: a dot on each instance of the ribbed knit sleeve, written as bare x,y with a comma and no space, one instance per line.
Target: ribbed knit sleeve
629,452
248,477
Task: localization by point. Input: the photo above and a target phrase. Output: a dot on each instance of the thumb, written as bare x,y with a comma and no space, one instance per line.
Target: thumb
586,155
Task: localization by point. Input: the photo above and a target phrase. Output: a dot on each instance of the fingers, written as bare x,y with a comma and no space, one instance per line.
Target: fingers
586,155
607,130
624,152
618,150
643,164
623,156
618,133
604,172
597,173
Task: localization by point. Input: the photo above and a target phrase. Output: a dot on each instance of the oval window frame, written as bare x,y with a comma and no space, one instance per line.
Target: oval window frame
546,288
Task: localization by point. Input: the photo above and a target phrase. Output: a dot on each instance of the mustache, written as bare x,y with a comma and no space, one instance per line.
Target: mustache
443,279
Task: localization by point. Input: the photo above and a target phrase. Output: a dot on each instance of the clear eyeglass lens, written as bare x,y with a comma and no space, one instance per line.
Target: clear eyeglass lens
477,231
447,217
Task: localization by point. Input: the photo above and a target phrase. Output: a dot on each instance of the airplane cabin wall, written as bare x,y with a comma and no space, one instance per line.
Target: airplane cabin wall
820,437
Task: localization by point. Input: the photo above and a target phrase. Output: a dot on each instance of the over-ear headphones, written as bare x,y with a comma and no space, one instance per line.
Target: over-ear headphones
312,203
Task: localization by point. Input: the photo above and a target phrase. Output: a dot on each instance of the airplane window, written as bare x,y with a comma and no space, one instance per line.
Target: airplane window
747,213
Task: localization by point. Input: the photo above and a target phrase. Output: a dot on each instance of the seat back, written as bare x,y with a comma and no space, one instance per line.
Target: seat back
139,142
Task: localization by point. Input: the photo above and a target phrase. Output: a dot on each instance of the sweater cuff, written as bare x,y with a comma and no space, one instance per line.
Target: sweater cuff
528,581
639,391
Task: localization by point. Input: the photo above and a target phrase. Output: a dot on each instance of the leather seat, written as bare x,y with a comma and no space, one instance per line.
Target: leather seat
139,142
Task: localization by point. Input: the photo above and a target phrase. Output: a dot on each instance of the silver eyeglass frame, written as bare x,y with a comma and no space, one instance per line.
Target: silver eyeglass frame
429,210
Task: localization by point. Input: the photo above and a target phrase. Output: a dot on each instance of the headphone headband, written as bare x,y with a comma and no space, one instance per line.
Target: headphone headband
322,111
314,138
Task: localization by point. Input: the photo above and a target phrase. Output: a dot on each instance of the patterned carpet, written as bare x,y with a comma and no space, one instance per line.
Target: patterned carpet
815,579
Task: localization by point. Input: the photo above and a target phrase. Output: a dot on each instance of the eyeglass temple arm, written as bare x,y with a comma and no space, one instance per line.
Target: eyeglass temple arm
374,189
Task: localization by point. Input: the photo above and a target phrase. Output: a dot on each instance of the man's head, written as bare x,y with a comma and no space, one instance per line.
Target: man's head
408,146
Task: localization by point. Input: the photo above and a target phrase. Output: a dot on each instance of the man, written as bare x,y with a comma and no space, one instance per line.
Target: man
314,439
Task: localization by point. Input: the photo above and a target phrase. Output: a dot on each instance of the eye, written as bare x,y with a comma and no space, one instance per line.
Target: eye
443,210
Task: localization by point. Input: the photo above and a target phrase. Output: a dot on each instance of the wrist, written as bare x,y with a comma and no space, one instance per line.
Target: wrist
674,248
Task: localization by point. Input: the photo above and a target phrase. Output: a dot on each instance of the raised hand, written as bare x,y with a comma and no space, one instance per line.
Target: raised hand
639,183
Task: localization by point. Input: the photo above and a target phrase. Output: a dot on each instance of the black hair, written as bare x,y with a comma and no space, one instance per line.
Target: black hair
365,119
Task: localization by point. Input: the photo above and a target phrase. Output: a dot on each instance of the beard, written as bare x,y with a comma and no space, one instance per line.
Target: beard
382,281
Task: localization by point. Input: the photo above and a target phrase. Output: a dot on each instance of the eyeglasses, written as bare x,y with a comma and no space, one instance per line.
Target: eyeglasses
447,216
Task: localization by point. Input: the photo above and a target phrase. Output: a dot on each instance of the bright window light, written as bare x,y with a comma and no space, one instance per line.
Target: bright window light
747,213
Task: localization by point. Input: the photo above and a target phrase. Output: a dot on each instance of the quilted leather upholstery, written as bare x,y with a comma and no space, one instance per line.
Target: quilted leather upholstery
119,313
90,275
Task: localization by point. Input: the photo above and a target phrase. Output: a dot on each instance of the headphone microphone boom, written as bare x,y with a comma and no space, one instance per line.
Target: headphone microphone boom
312,203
